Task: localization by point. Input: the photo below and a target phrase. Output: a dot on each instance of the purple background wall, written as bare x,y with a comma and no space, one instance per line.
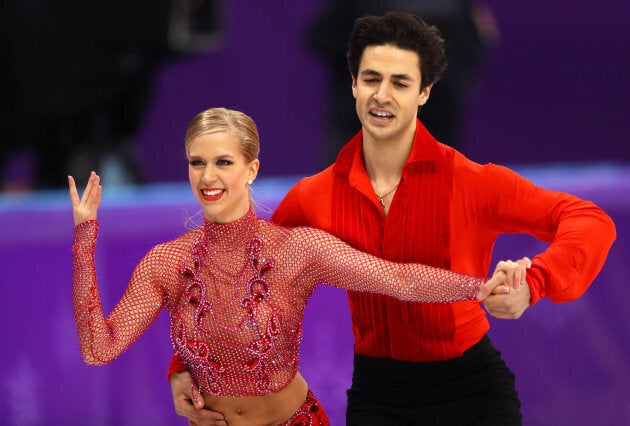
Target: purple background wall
261,66
553,90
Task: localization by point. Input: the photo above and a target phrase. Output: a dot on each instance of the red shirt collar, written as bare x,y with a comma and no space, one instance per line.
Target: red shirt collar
350,160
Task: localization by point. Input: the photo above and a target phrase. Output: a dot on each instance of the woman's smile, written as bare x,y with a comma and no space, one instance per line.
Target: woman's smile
212,194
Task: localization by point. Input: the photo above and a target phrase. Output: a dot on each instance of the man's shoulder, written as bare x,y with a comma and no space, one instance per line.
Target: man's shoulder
313,184
465,166
308,199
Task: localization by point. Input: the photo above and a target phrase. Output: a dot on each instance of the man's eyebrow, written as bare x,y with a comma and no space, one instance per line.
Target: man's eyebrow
369,72
402,76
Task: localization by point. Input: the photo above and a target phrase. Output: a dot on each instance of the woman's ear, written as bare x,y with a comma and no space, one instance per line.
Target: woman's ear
253,170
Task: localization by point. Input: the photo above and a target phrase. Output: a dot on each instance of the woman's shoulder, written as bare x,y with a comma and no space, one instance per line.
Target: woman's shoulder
178,245
280,235
295,237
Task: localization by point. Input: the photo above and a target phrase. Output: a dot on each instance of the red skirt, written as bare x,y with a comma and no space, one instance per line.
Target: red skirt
310,413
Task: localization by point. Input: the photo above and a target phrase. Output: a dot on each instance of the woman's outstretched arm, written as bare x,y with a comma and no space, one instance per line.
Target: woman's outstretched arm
102,339
332,261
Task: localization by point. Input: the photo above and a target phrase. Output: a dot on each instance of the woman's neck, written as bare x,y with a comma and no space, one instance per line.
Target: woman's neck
225,218
233,234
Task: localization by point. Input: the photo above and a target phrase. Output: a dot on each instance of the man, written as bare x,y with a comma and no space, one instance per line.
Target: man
395,192
468,26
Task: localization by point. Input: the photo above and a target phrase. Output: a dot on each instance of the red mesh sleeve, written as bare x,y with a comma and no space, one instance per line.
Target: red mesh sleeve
333,262
103,339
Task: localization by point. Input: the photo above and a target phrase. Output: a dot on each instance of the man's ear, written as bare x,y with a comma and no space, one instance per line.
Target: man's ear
423,97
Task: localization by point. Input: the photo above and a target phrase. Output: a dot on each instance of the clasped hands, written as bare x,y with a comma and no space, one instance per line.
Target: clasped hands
506,295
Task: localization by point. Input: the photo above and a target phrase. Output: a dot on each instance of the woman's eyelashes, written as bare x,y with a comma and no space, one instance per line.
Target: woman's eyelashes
219,162
223,162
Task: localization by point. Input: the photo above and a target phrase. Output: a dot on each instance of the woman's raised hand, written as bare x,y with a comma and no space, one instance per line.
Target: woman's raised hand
85,208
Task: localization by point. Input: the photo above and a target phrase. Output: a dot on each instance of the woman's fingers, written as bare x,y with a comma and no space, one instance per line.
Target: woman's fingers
515,272
74,194
85,207
506,267
495,285
506,274
520,271
91,189
501,289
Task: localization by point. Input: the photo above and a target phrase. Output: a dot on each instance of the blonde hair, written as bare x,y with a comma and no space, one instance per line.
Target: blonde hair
215,120
239,124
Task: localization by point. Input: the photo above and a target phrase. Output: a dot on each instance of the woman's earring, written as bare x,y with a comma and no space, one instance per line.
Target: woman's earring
249,182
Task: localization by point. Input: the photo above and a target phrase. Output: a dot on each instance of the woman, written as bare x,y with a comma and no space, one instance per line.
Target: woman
236,286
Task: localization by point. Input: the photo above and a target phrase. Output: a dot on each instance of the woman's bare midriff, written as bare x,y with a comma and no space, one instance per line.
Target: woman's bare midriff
268,410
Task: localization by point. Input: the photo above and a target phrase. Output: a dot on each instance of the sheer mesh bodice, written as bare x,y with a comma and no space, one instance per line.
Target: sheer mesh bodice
236,295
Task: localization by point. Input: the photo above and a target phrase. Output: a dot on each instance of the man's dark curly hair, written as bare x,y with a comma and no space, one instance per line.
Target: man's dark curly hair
405,31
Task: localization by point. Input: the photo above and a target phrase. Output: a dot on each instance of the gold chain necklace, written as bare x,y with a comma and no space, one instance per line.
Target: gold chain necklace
380,197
